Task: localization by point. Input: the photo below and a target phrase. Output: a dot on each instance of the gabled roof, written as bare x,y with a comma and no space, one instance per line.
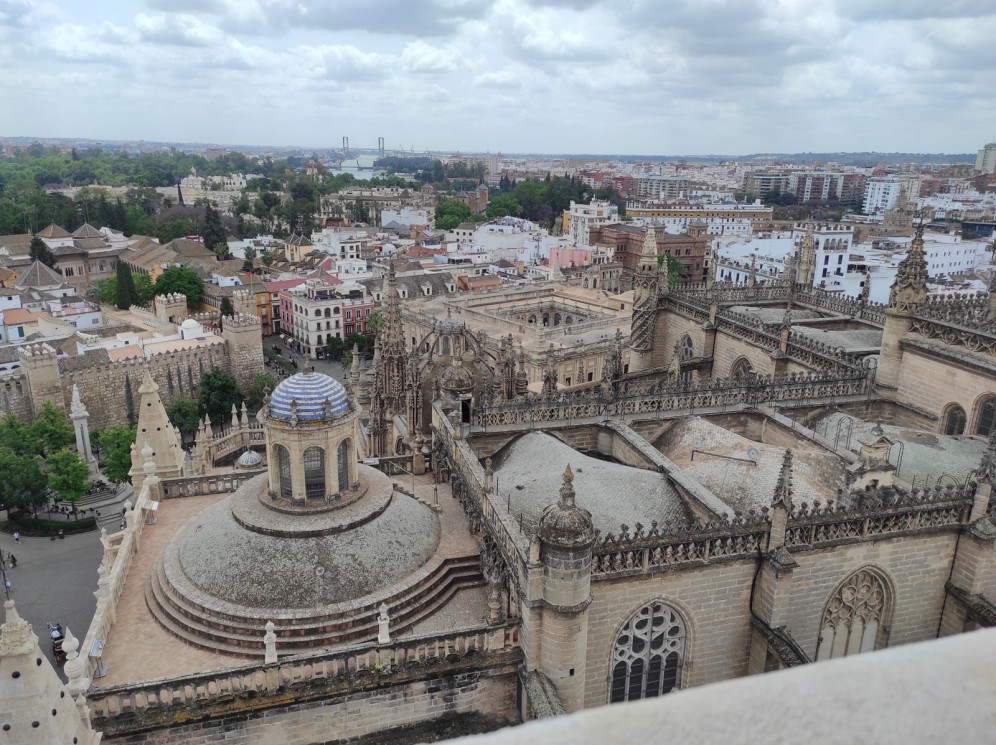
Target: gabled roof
38,275
299,240
283,284
18,315
53,231
86,230
190,249
17,244
90,244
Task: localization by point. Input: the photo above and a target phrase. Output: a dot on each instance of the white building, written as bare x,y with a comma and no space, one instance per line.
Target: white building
580,218
985,161
881,194
406,217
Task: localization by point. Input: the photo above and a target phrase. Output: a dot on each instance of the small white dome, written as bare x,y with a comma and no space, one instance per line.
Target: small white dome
190,325
250,458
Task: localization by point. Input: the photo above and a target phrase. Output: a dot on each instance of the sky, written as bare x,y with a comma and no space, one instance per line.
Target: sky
648,77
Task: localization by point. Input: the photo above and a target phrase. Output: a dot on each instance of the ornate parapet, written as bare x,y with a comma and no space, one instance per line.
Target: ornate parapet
978,608
884,512
662,548
980,338
317,676
966,311
196,486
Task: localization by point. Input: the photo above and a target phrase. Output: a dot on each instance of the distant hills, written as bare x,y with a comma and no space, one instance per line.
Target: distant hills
866,159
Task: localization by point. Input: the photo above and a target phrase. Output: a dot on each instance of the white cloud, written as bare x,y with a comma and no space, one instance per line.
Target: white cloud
498,79
421,57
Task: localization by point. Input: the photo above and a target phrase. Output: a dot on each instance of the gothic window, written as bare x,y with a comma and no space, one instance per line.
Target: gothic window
985,422
314,473
686,349
342,461
954,420
284,467
741,368
856,617
648,654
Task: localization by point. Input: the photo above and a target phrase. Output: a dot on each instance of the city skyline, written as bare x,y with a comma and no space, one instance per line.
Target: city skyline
526,76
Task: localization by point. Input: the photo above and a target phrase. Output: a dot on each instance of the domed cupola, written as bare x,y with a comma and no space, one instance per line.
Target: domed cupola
310,398
456,380
564,524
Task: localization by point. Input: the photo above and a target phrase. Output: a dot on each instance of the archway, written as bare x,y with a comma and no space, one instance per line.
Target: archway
342,463
314,473
985,417
282,457
954,420
856,617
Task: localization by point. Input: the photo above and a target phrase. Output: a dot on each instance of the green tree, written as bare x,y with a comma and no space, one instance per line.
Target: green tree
375,323
675,270
451,213
125,294
49,431
336,346
14,436
115,451
267,258
183,280
227,309
214,233
23,484
218,392
250,257
438,171
257,389
39,251
144,288
185,414
502,205
67,475
105,291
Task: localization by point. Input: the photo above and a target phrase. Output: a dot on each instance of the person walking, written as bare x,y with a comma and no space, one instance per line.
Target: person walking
7,586
13,560
17,537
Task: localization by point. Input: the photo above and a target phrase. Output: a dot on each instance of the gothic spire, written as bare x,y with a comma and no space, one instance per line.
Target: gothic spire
783,489
807,258
648,254
392,331
910,287
567,488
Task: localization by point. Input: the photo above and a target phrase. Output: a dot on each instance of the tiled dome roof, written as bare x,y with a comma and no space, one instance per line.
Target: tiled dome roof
309,390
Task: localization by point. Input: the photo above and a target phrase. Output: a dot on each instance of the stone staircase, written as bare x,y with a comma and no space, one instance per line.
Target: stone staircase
217,630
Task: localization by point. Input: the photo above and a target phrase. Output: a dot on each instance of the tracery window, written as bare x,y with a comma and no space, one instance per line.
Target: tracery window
954,420
856,616
741,368
985,423
284,467
314,473
648,653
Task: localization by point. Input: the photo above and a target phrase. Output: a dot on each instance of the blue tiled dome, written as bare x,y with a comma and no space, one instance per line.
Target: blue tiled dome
310,390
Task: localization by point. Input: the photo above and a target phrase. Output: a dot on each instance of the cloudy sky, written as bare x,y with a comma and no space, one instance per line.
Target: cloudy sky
594,76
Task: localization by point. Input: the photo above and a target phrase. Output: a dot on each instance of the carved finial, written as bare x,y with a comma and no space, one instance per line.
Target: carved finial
567,489
783,489
148,464
877,429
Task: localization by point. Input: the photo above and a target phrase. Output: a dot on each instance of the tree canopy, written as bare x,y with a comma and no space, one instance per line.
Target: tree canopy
451,213
185,414
219,391
257,388
115,451
183,280
67,475
39,251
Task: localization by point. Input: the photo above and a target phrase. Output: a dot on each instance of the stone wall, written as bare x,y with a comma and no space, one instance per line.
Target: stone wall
713,600
488,693
917,566
932,383
15,397
110,391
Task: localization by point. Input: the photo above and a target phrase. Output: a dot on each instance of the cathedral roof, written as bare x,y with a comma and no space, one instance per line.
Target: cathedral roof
309,390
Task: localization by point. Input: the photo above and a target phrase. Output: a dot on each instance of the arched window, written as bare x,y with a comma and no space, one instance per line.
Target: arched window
954,420
741,369
985,420
314,473
556,319
686,349
648,654
284,467
342,460
532,318
856,616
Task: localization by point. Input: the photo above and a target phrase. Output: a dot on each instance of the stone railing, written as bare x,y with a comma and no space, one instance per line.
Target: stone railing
972,339
659,549
892,514
194,696
495,517
656,401
196,486
119,552
966,311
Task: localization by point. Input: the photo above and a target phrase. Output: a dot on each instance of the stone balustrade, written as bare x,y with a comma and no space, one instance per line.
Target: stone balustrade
196,486
117,708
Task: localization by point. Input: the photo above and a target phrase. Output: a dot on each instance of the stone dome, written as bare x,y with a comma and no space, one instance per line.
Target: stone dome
449,325
190,325
564,524
309,390
249,459
457,379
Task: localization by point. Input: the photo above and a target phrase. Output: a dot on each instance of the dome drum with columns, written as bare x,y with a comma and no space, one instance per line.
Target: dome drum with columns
310,441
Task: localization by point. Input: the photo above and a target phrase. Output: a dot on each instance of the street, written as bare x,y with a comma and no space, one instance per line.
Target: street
332,368
54,581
